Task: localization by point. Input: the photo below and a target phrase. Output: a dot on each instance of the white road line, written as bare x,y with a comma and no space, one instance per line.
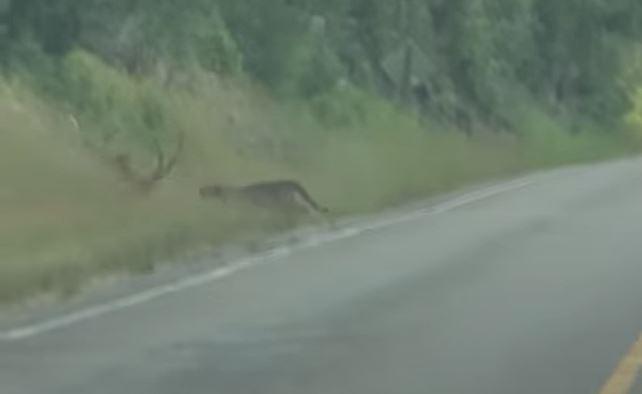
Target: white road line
29,331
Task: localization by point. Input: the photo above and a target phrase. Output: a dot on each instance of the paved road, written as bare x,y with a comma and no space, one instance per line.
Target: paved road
536,290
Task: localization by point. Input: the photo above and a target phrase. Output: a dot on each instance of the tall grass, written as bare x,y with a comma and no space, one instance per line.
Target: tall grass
66,216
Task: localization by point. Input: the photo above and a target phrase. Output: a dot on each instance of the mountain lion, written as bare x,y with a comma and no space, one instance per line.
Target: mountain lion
283,196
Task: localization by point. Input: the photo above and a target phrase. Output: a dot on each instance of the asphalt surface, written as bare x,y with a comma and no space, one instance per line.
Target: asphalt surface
536,290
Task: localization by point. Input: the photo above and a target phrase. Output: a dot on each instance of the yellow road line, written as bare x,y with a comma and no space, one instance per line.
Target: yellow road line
623,378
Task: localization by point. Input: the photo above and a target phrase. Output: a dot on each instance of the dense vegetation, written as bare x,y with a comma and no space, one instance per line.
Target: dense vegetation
462,60
370,102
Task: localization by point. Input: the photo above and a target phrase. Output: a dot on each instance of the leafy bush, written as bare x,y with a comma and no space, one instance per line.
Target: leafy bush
109,103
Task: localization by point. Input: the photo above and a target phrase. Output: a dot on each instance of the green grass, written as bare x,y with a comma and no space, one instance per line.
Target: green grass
66,217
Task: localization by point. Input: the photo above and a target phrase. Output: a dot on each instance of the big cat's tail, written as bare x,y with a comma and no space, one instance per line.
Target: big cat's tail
306,196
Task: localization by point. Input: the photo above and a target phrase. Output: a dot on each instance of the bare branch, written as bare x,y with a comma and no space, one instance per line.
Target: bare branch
163,168
144,184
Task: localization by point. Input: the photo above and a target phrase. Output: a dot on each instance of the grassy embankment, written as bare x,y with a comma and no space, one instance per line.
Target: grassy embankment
66,216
